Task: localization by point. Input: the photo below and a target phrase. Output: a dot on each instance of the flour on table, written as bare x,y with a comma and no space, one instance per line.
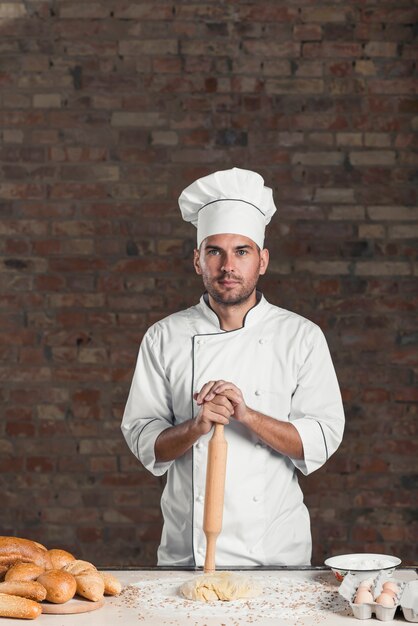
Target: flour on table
286,598
225,586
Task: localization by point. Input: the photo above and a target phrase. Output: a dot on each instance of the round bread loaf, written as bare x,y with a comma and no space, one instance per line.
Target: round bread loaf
24,571
60,586
60,558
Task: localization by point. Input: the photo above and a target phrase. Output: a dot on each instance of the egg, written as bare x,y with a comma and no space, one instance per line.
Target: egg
366,584
385,599
363,596
389,586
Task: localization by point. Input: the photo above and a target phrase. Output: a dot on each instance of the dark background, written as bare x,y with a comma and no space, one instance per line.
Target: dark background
107,111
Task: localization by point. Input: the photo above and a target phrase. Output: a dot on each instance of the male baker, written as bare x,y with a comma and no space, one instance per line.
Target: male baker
262,371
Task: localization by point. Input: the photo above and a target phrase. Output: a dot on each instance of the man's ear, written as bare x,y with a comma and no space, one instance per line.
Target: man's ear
196,262
264,260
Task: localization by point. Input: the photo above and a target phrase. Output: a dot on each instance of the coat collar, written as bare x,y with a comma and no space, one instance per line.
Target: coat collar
252,316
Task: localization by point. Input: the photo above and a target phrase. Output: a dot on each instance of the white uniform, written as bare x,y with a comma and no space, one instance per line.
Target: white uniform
282,365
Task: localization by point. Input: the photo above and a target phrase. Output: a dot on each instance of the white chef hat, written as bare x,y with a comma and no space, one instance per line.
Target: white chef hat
229,201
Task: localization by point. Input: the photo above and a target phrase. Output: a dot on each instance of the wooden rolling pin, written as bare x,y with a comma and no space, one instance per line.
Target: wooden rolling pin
214,494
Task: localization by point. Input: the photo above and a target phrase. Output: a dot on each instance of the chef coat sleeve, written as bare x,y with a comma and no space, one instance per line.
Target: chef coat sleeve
316,408
148,410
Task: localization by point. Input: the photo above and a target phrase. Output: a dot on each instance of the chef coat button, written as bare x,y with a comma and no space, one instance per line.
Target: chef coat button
261,340
258,445
199,445
201,551
256,498
199,499
257,392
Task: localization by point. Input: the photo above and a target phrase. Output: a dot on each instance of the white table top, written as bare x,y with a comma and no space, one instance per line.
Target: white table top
150,598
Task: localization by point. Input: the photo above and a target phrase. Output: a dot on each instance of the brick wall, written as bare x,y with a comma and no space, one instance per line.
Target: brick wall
107,110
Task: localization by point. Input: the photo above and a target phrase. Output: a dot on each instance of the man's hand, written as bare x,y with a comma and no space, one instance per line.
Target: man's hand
219,400
214,391
174,441
217,410
282,436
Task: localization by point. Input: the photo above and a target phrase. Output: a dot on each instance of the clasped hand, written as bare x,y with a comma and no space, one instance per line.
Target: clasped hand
219,400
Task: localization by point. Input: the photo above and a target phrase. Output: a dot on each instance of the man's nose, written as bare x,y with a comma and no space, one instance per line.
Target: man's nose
228,263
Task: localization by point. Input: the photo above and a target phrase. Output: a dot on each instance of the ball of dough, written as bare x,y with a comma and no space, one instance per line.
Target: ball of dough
224,586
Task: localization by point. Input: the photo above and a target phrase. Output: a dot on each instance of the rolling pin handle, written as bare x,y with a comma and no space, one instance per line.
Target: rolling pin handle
214,495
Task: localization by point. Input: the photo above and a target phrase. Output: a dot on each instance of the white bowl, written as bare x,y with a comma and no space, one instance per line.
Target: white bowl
363,564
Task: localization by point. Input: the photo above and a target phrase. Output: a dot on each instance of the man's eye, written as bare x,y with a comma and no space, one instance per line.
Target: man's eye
213,252
242,252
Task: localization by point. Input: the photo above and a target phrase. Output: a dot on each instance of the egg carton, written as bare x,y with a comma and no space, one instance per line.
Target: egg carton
407,597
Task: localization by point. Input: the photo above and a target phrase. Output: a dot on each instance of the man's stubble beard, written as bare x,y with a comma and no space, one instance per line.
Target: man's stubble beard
235,299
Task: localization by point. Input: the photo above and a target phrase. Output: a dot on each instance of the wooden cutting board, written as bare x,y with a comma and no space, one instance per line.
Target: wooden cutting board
75,605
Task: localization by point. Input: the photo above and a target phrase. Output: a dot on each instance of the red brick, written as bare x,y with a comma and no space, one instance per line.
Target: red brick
90,534
287,49
20,429
90,227
389,15
328,49
267,12
400,86
103,464
11,465
40,464
408,394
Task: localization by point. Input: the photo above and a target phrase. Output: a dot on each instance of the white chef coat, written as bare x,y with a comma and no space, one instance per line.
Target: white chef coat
282,365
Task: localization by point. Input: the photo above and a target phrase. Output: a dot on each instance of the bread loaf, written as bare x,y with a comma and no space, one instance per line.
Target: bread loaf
79,567
112,586
20,608
90,585
58,575
25,588
24,571
15,549
60,558
60,586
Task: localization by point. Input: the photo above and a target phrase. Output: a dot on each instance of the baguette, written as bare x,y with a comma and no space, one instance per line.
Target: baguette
14,550
25,589
112,586
90,585
24,571
20,608
60,586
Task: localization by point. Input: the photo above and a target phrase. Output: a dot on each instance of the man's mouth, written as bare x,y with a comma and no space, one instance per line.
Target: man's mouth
228,282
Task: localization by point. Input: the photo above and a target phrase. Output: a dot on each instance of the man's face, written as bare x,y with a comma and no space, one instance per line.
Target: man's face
230,266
